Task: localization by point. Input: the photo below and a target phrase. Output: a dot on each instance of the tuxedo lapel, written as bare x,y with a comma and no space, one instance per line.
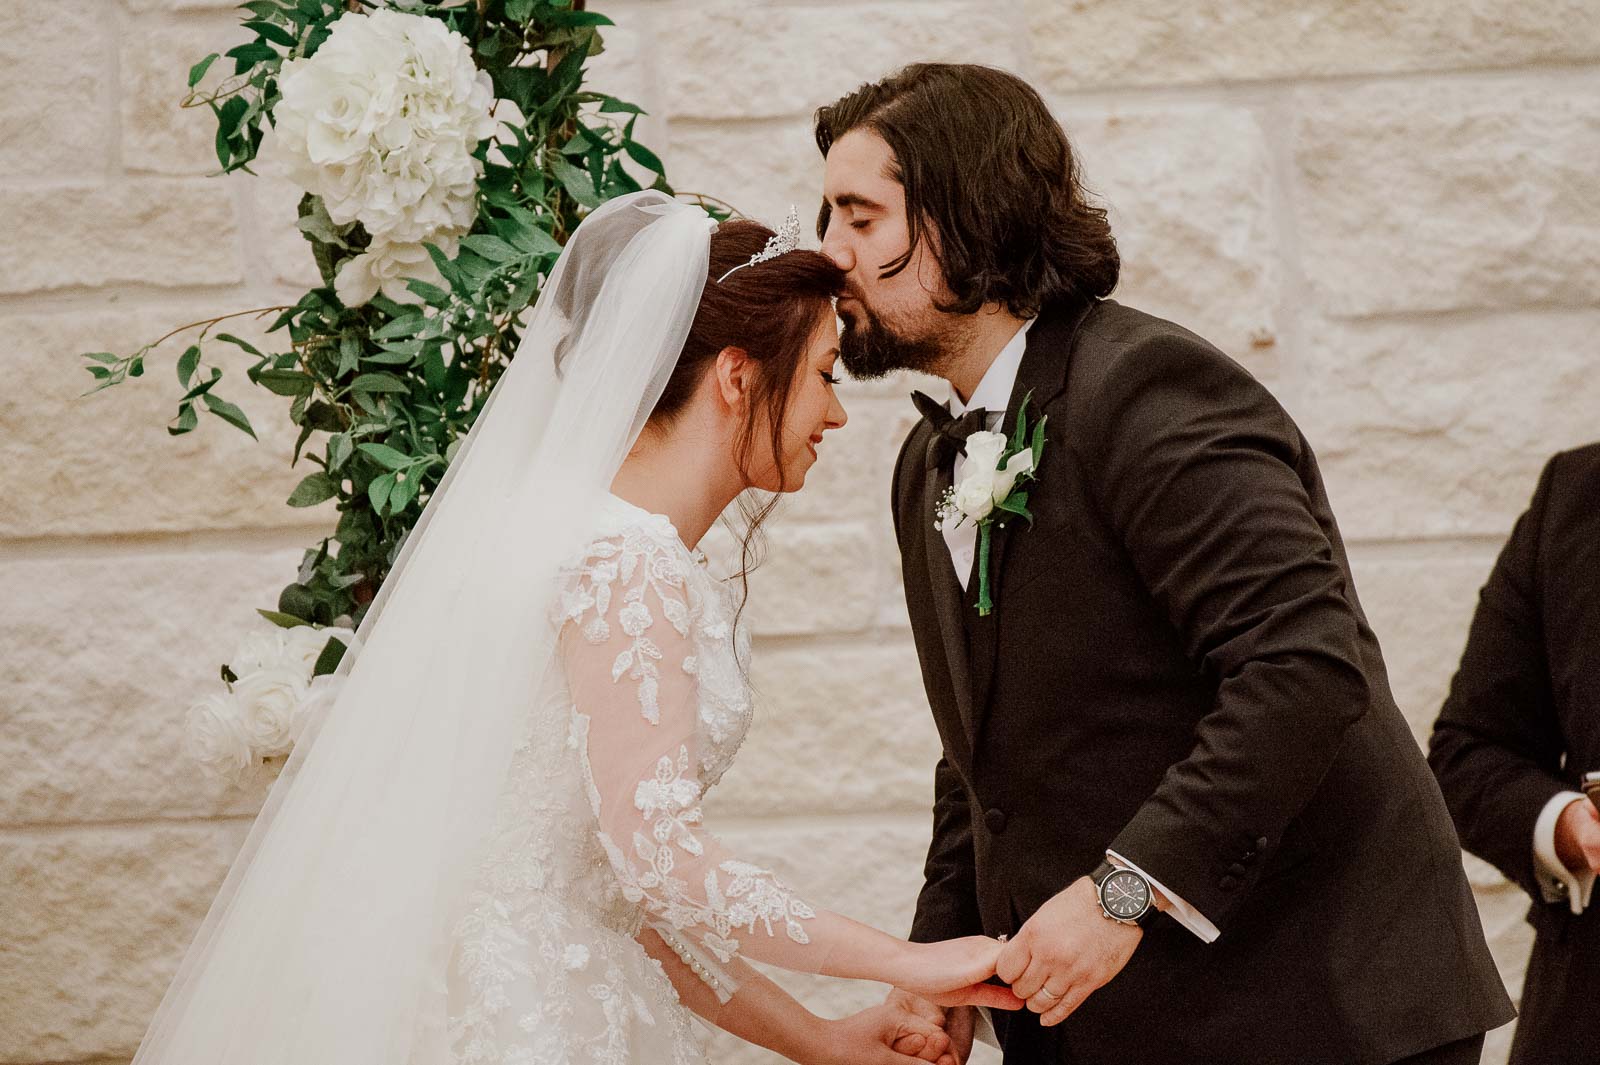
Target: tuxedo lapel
1041,377
946,590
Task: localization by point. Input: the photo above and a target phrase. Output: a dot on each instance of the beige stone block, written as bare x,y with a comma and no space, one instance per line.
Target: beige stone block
103,658
760,169
96,922
813,579
1422,196
103,463
791,60
153,232
1190,196
54,116
1098,43
1420,608
1439,427
283,254
839,728
159,135
626,69
140,7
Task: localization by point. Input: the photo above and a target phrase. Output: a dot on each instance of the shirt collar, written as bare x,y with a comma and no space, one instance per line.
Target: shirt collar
994,390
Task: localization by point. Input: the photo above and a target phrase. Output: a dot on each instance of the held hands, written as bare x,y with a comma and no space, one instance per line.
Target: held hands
1065,952
890,1034
952,973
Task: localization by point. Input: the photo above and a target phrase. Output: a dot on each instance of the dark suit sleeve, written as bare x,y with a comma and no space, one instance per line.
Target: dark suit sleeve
1197,468
1497,745
948,904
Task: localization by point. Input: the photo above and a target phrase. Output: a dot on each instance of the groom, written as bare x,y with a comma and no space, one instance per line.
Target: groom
1176,694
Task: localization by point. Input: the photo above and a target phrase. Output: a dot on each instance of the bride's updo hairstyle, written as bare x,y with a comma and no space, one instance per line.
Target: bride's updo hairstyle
771,311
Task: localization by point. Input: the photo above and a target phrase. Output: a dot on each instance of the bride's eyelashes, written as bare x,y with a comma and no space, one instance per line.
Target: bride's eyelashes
828,377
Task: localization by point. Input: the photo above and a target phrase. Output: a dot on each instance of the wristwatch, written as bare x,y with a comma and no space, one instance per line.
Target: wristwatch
1125,895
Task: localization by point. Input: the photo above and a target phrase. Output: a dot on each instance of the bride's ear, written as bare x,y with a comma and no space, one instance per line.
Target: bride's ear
734,375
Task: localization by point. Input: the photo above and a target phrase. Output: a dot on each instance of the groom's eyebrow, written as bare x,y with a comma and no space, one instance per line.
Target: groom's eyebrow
855,199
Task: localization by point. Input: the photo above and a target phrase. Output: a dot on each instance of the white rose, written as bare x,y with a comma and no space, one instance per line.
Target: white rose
975,496
260,649
1006,478
984,450
215,737
269,700
386,266
305,643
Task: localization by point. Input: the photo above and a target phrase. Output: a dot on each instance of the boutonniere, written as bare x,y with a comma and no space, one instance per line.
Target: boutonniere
993,484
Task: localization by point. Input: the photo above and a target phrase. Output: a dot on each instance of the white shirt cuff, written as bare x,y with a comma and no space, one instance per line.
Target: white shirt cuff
1181,911
1556,881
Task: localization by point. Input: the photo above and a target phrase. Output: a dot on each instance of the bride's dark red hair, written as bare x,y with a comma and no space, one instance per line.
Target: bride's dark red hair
770,311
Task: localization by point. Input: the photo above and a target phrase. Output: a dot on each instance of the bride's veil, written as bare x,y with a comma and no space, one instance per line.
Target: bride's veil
328,942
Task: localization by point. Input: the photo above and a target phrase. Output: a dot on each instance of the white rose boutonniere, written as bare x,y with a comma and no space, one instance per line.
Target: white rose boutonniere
993,484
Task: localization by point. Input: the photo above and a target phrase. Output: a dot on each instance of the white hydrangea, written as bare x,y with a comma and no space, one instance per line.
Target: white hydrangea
381,123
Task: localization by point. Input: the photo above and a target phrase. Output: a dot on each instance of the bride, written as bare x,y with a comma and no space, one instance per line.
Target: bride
489,848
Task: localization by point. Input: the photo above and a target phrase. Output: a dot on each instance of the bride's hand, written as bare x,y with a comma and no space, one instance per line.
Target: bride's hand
952,973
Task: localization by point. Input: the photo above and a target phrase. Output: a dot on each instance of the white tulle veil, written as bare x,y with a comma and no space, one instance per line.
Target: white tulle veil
328,942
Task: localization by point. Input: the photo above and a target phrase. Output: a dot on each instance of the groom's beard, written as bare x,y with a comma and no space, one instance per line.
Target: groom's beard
869,348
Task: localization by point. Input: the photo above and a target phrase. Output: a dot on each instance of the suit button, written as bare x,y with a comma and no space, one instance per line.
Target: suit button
1248,856
1228,883
995,819
1261,843
1237,870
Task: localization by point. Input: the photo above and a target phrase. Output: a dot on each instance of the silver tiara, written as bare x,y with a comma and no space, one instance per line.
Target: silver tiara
787,238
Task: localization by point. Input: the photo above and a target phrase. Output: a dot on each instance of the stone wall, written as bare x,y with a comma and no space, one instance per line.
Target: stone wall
1387,211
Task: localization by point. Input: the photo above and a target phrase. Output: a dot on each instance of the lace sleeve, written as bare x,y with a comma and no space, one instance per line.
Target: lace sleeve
630,659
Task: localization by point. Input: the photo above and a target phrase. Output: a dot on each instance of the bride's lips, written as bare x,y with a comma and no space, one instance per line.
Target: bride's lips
812,444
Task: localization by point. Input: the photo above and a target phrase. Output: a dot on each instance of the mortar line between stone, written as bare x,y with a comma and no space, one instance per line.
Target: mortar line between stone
47,829
108,546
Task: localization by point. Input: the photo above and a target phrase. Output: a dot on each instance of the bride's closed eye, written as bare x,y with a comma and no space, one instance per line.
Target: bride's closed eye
828,377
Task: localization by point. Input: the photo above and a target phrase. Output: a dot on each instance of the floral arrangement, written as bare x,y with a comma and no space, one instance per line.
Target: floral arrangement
445,149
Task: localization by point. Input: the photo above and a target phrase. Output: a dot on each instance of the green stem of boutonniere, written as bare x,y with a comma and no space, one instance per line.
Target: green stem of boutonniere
985,604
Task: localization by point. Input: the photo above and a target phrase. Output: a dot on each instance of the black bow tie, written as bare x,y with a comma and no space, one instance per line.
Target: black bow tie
953,431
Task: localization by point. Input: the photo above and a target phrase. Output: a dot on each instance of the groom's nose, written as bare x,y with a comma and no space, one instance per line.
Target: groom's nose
833,247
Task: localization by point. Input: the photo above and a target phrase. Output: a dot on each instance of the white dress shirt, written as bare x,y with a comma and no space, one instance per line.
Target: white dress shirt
1556,881
994,395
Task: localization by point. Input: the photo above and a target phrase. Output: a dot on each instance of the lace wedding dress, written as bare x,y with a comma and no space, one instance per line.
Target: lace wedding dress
600,836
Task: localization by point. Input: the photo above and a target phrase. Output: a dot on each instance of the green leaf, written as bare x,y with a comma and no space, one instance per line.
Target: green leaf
643,156
328,660
101,356
231,339
378,382
205,386
297,601
187,420
286,382
378,491
1038,441
275,34
187,363
339,450
99,373
228,413
285,621
386,456
315,488
577,183
136,367
431,293
612,105
198,71
491,247
400,327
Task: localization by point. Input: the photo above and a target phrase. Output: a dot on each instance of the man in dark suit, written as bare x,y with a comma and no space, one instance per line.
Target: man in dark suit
1520,727
1176,698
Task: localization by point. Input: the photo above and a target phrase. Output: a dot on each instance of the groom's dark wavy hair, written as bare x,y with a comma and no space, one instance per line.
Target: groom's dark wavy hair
989,169
771,311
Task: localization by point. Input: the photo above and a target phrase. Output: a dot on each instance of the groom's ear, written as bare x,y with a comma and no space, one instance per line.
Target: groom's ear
734,377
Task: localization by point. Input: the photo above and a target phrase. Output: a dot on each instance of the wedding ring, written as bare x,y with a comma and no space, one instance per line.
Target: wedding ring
1046,993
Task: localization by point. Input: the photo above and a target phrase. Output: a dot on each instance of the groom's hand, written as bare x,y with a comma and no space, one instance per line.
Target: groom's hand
957,1022
1065,952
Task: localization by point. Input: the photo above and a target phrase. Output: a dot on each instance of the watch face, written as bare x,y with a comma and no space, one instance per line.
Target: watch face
1125,895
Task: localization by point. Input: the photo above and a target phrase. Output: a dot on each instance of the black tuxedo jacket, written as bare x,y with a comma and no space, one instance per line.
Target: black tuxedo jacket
1177,668
1522,723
